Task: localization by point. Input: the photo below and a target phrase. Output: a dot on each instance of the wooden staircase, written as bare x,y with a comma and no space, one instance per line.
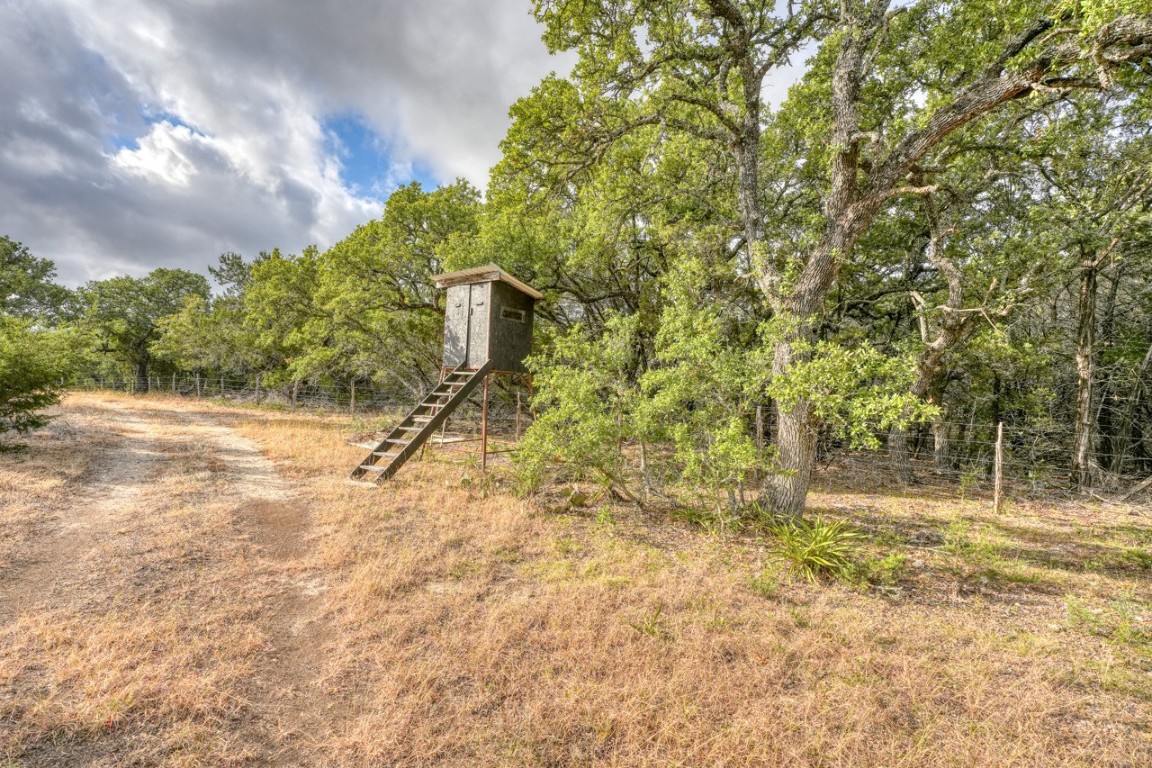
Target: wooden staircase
420,424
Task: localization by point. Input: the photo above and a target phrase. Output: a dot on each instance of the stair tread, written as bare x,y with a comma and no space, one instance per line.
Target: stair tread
439,402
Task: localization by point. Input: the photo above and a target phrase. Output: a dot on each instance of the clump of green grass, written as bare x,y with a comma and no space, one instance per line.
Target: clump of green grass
1121,620
816,548
765,584
880,571
652,625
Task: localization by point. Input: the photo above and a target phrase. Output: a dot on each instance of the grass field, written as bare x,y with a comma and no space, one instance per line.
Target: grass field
188,584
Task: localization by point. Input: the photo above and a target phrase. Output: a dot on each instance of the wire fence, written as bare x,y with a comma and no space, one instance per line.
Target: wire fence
1036,457
508,412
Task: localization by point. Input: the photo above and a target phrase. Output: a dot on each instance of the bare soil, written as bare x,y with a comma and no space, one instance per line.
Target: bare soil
149,516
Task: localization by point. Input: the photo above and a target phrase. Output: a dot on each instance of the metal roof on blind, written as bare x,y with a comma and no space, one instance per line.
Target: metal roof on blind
485,274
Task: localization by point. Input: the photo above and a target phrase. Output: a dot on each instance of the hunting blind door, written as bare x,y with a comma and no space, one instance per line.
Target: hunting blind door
487,318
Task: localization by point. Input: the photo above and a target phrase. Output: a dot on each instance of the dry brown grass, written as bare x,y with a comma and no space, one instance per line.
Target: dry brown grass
447,623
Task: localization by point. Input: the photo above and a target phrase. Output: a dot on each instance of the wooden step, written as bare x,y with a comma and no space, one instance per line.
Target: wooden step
420,424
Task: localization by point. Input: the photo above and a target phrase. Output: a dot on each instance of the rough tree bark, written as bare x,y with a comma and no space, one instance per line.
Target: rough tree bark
956,325
142,380
1085,469
1083,466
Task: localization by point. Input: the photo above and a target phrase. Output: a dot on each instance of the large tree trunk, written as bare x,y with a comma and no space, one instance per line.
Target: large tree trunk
1082,459
900,455
1108,426
852,203
796,431
941,445
796,442
928,371
898,452
142,376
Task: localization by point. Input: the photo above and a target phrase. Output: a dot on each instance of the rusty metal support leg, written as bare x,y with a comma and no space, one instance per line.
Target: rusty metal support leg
484,427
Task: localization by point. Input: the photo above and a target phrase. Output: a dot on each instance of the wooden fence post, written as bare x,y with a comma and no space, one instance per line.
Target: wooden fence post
352,401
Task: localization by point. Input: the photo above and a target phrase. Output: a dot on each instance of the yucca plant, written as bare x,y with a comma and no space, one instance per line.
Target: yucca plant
815,548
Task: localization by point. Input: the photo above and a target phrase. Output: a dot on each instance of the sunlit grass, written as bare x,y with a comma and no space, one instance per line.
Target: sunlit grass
466,627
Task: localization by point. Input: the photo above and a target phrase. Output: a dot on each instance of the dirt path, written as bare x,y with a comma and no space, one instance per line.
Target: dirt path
126,460
179,553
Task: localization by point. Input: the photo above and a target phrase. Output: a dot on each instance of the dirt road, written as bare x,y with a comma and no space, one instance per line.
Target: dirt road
157,604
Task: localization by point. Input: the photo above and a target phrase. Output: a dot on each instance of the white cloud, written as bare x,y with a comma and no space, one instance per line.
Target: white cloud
163,155
145,133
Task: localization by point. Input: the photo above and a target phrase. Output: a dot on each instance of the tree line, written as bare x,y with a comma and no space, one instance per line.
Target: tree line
946,223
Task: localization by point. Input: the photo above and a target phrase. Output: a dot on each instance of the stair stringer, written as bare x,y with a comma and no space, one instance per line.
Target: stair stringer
440,411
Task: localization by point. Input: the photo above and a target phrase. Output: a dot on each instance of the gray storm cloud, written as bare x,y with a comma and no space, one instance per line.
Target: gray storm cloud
146,133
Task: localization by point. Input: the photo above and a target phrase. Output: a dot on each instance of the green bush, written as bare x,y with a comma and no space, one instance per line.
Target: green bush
817,547
32,365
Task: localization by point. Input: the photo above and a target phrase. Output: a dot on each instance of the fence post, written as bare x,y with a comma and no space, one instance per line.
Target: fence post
257,389
998,488
352,400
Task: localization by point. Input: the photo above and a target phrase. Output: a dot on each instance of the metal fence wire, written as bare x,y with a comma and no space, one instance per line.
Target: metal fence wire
1035,457
508,412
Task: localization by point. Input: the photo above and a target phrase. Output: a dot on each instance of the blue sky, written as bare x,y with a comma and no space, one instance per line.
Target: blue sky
147,133
130,140
369,165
